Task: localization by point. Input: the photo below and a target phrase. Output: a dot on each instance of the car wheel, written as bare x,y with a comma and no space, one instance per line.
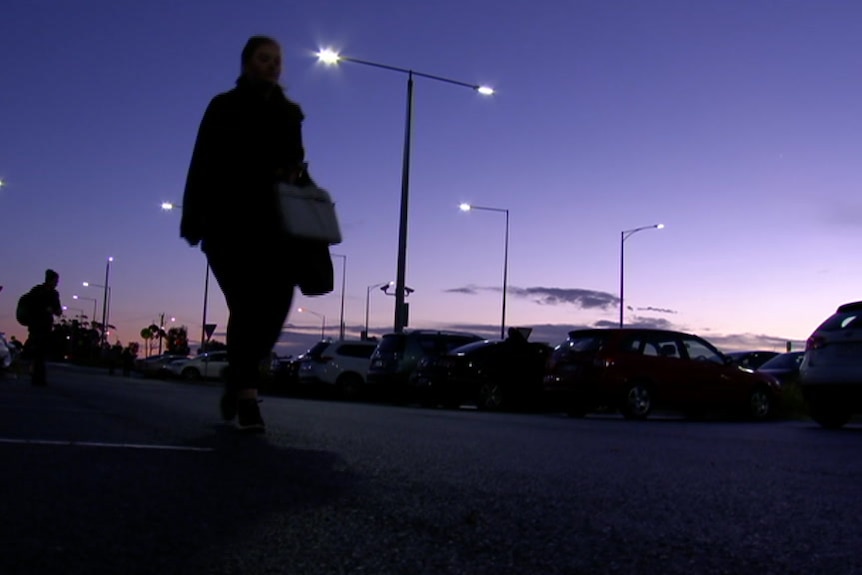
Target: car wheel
760,404
829,415
191,374
490,397
349,385
637,401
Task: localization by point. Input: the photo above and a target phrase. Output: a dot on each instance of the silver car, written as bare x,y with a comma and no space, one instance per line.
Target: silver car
831,370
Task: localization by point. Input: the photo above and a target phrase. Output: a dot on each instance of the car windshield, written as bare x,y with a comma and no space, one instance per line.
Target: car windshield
578,343
470,347
784,361
317,349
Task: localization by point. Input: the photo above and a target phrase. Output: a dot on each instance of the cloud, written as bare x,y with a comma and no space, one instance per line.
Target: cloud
639,322
657,309
583,298
469,290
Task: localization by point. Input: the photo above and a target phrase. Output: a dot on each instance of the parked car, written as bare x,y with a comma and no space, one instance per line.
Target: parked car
637,370
784,367
338,365
751,359
157,365
209,365
492,374
284,373
397,355
831,372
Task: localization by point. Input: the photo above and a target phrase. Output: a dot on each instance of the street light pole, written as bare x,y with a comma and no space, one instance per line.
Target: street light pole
204,318
401,273
343,285
168,206
105,311
368,299
330,57
468,207
624,235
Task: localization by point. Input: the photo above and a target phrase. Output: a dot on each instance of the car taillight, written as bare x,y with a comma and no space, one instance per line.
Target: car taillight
815,342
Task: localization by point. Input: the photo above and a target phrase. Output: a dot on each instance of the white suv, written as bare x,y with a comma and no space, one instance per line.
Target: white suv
342,365
831,371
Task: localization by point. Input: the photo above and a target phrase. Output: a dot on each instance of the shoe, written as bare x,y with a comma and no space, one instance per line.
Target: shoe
227,405
248,416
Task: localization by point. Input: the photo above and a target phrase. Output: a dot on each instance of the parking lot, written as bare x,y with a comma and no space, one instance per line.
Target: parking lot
105,474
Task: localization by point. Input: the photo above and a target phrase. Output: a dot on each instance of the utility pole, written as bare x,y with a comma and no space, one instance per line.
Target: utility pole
161,330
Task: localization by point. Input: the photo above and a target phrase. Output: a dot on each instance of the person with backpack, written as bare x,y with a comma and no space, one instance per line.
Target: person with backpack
36,310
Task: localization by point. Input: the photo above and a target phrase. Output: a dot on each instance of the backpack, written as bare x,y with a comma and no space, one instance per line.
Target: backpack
23,312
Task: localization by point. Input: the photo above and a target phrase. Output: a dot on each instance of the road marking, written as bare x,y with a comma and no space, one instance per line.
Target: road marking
102,444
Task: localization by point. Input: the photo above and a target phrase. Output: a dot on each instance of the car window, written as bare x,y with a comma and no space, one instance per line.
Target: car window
391,344
662,345
638,345
841,321
699,350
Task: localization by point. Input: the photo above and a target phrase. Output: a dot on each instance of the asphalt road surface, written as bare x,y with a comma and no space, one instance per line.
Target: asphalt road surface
103,474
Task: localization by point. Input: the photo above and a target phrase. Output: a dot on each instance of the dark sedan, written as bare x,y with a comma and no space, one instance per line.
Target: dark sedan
784,367
492,374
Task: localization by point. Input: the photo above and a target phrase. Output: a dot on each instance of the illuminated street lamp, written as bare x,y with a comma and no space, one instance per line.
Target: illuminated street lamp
330,57
320,315
168,206
92,299
624,235
467,208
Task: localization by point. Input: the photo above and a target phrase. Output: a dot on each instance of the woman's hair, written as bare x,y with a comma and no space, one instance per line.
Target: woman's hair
252,45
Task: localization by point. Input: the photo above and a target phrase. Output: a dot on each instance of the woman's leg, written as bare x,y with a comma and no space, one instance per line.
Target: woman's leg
258,290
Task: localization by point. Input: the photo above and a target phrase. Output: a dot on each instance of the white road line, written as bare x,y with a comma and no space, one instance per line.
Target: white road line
100,444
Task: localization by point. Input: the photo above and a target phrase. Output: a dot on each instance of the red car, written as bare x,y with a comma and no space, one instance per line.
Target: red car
637,370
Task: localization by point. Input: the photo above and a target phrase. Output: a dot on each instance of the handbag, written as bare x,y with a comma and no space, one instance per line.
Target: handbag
308,213
315,275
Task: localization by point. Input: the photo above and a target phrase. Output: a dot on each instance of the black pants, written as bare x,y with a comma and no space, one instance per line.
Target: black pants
258,285
37,344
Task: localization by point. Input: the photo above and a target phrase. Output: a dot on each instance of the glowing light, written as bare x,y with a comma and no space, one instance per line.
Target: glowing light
485,90
465,207
328,56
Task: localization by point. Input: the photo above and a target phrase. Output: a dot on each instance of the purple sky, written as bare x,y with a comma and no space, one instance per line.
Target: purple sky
735,123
